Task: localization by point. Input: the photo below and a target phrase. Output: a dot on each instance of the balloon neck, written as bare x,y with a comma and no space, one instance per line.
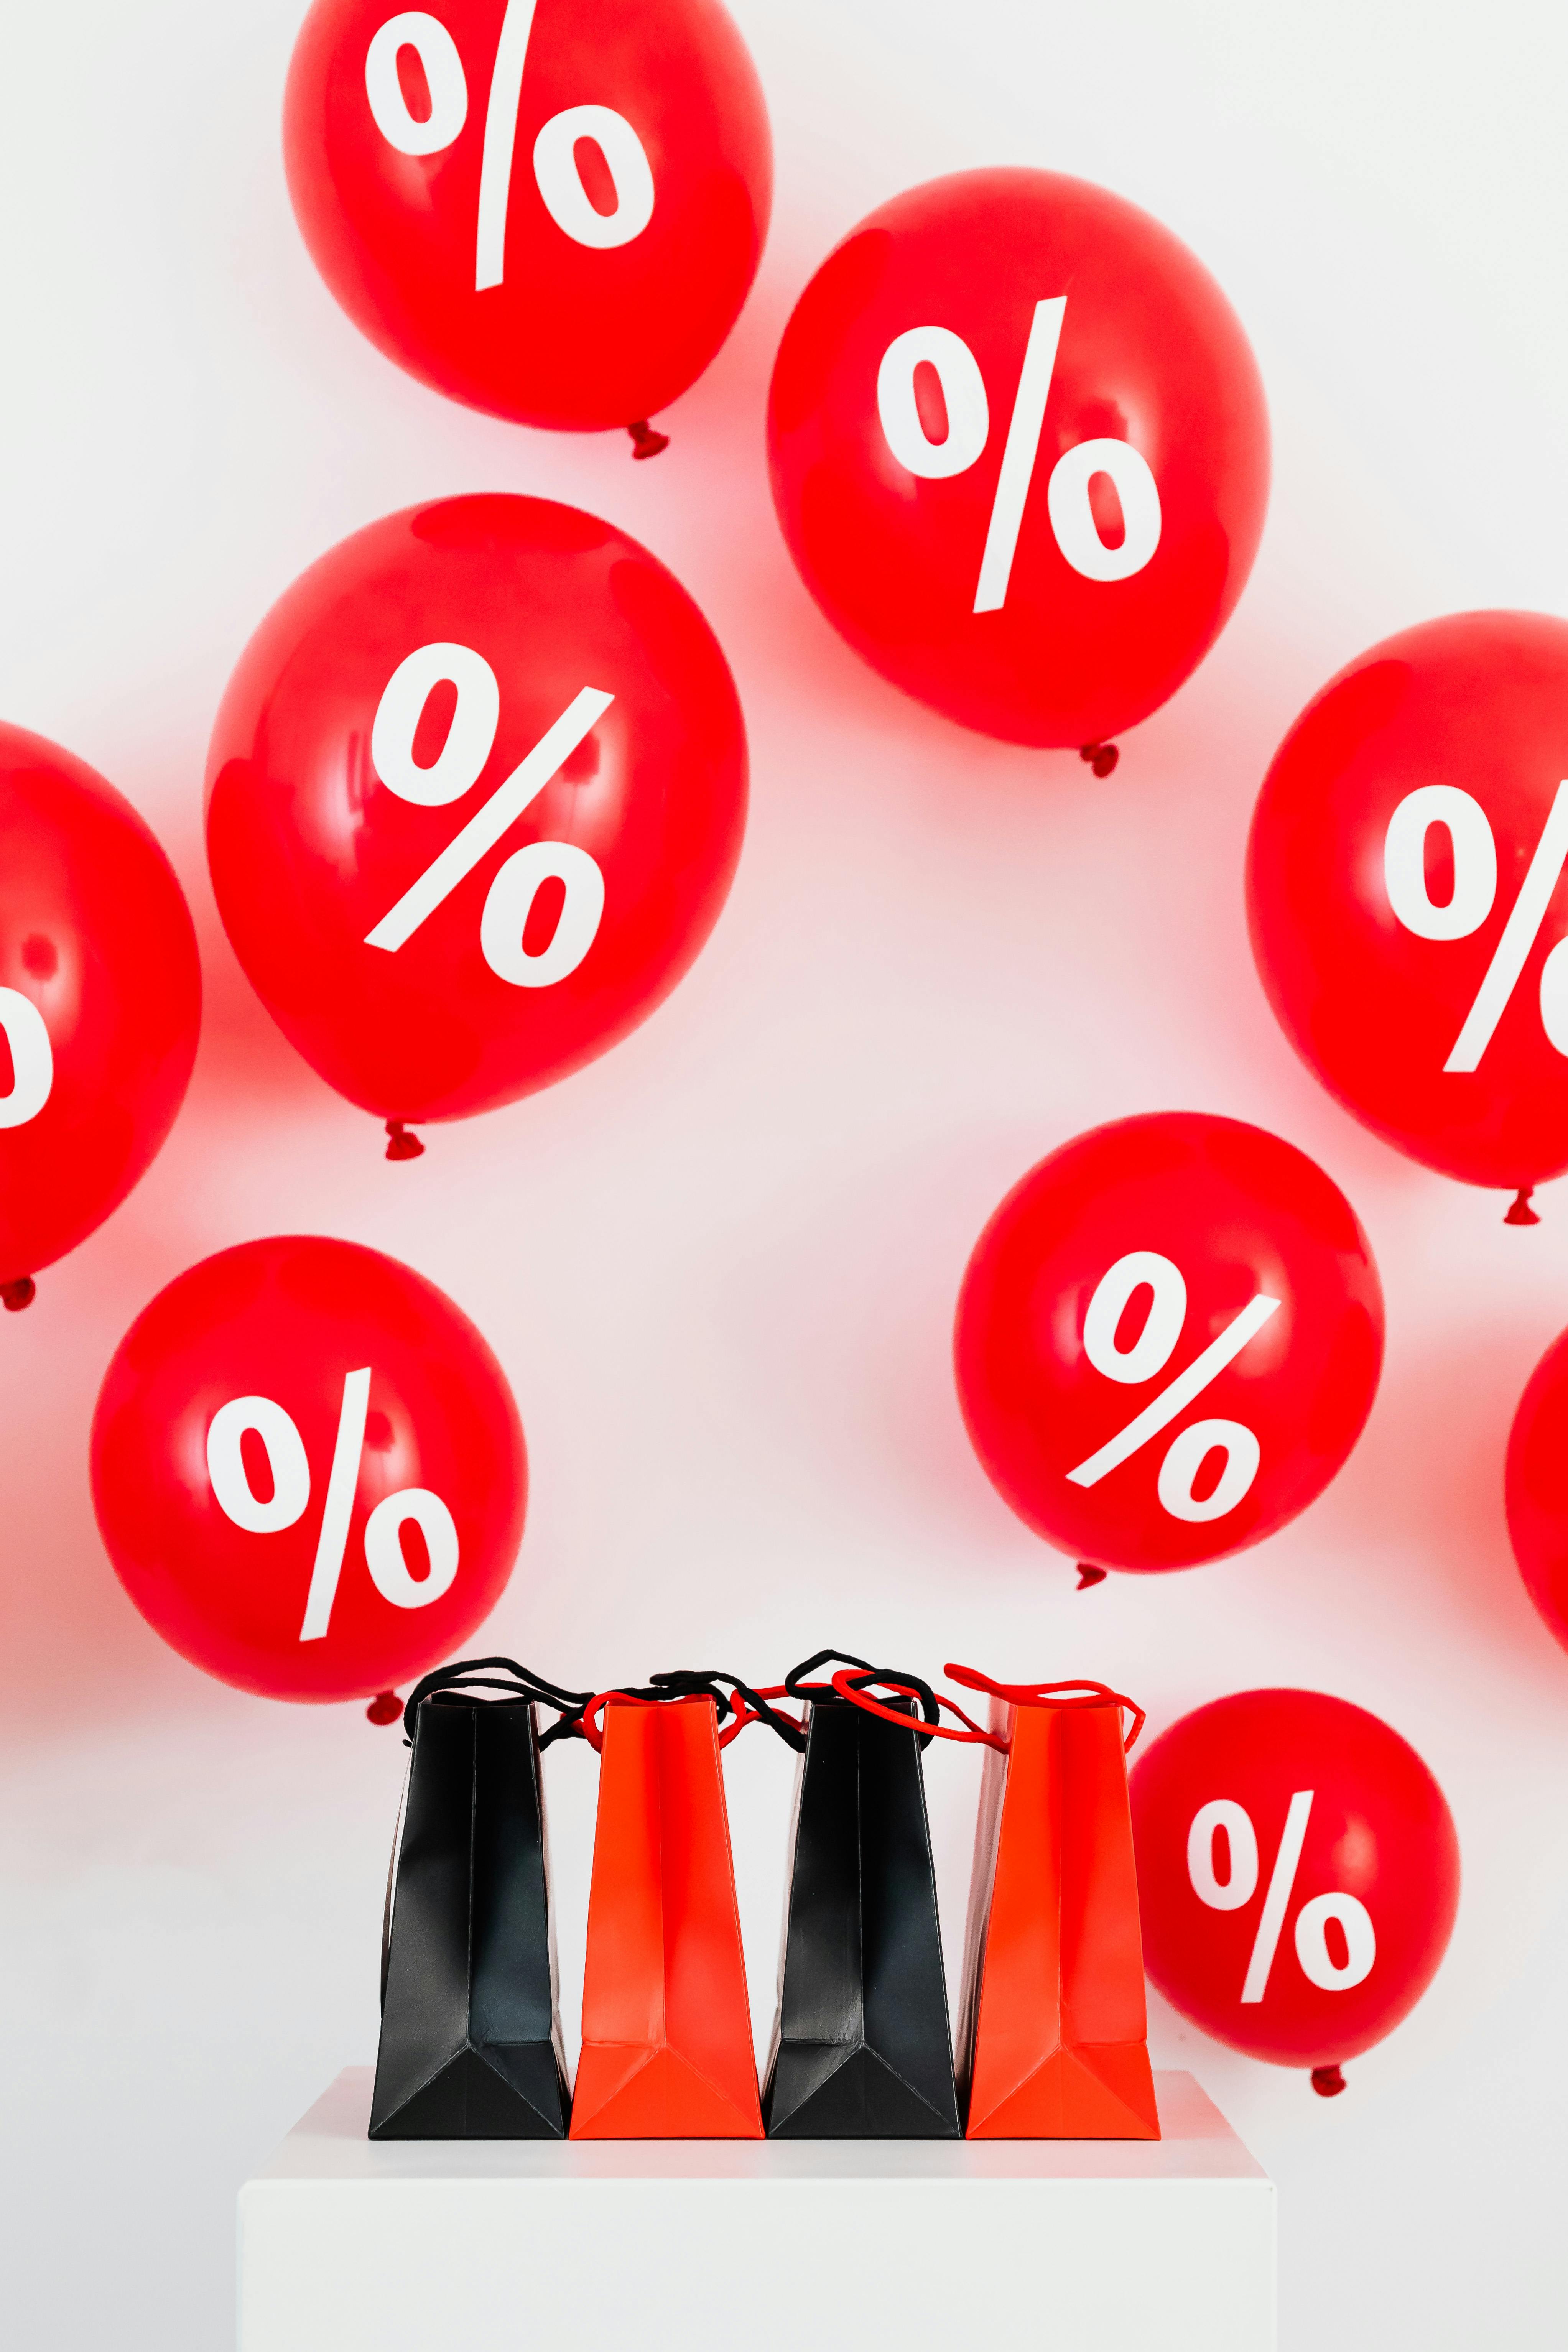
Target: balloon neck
1328,2082
646,442
386,1707
400,1144
18,1294
1101,757
1520,1212
1087,1576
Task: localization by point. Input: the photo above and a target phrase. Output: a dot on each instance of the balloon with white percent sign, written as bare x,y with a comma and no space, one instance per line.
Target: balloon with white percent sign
1536,1488
309,1469
476,795
1153,1405
551,209
1020,454
1162,1322
101,997
470,739
286,1478
1298,1874
28,1058
1406,896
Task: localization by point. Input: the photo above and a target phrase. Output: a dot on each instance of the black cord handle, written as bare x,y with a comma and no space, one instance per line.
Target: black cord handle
683,1682
686,1682
865,1678
522,1683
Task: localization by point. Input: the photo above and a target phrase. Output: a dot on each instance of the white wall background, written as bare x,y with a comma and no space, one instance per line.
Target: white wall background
719,1265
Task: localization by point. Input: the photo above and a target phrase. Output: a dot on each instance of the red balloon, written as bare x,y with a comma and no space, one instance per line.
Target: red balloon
100,1002
551,209
1298,1875
1168,1340
1537,1487
308,1469
476,795
1405,895
1020,453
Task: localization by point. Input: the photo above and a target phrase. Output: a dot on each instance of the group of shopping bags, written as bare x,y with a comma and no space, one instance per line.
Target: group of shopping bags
1052,2039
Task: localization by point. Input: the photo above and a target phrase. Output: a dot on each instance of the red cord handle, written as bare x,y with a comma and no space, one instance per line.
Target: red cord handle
744,1714
1080,1691
594,1734
588,1719
849,1686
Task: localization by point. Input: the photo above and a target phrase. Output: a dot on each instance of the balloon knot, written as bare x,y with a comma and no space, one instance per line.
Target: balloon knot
1101,757
646,442
1328,2082
1520,1212
18,1294
1087,1576
400,1144
386,1708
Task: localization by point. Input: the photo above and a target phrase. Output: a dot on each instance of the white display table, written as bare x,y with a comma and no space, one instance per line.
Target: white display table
778,2246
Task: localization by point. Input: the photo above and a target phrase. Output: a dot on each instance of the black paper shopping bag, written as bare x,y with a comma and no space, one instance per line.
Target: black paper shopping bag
862,2048
470,2040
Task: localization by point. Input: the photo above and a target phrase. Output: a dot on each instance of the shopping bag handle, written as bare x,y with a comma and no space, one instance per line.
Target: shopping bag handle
1079,1691
746,1705
483,1675
857,1689
749,1705
895,1678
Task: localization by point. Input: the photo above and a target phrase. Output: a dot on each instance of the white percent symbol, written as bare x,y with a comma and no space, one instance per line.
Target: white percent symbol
1147,1356
471,738
1474,859
556,170
290,1496
968,429
1237,1888
31,1055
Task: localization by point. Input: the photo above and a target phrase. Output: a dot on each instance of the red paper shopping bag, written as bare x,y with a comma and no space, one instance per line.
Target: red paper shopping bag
1053,2031
667,2027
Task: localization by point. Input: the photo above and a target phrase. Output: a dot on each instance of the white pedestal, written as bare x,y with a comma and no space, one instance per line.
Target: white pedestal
779,2246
